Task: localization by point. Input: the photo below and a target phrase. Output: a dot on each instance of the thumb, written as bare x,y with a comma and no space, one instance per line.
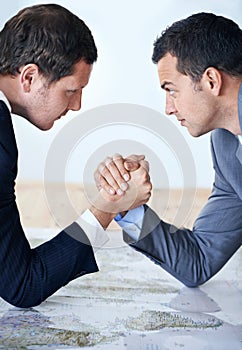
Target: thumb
131,165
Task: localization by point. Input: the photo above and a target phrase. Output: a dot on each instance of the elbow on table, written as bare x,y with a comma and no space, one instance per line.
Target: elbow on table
193,284
23,301
196,280
26,294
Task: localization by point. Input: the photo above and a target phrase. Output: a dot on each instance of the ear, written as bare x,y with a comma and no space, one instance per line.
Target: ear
212,79
28,75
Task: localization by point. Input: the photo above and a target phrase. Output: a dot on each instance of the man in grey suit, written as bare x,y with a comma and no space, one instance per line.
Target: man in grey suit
199,62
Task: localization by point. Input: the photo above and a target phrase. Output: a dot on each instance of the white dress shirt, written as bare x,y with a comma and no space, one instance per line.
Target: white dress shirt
131,223
95,232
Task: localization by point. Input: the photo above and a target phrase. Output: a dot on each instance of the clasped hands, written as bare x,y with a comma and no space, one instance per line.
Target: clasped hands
123,184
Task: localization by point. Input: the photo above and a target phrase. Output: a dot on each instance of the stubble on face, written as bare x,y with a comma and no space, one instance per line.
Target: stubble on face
38,110
189,102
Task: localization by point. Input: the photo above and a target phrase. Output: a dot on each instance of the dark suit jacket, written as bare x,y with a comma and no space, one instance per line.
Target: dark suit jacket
194,256
28,276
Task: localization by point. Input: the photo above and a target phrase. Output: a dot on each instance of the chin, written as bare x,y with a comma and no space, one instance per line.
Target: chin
45,127
196,133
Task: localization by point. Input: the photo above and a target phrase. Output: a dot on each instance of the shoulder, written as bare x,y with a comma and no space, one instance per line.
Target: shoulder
7,136
223,141
8,147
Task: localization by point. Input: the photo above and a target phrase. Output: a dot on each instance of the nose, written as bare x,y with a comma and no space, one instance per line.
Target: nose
170,105
75,102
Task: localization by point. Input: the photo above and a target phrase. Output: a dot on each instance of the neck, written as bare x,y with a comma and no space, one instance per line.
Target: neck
229,108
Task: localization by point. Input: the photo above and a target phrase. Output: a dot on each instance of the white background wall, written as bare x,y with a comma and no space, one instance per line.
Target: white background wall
124,33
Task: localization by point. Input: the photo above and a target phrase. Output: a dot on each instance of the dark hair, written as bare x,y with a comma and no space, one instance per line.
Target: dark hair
49,36
200,41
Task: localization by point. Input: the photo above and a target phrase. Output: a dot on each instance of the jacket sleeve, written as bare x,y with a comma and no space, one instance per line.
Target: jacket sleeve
194,256
28,276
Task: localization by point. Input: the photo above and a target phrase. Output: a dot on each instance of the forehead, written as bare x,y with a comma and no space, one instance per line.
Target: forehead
82,68
167,70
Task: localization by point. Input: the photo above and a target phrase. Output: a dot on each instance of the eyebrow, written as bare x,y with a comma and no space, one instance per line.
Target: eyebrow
164,85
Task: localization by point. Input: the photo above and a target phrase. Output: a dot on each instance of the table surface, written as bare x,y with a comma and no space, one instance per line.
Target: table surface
131,304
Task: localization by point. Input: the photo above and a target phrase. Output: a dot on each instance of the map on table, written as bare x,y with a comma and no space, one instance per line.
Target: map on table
131,304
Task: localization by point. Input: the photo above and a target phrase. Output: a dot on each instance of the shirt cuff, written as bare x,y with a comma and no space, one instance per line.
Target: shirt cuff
93,230
131,223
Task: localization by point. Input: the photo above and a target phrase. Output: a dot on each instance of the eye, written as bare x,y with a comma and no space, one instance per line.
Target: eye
171,93
72,91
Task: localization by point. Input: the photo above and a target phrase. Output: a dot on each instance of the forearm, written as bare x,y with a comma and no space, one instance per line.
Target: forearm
103,217
29,276
167,249
190,256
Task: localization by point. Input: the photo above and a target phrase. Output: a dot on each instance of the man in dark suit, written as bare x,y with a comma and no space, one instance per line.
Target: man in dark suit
46,58
199,63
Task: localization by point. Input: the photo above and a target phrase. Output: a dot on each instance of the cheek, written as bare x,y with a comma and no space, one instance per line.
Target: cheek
189,106
183,105
57,103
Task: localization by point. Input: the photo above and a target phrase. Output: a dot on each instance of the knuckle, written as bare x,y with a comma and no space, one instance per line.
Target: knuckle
107,161
117,156
105,171
98,179
114,186
142,171
106,188
145,165
96,175
101,167
99,187
110,164
120,165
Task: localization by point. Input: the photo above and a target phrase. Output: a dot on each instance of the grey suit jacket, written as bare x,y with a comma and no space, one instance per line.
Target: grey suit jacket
194,256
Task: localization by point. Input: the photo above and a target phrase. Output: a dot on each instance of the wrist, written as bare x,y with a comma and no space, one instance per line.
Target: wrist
103,217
